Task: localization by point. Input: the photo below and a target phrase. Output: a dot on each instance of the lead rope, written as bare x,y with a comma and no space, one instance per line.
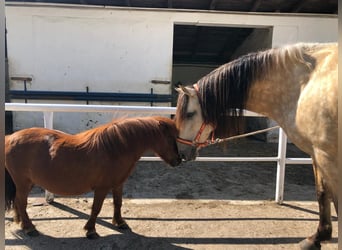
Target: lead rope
219,140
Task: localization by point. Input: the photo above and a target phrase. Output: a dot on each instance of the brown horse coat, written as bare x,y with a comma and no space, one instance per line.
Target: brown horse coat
100,159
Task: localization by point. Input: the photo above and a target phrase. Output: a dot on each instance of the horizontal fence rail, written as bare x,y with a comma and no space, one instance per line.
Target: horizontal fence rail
88,96
280,159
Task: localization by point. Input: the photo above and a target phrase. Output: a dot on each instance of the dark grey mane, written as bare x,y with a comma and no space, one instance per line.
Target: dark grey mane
223,92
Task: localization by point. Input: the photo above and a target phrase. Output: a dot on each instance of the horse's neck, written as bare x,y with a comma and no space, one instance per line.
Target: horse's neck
139,142
276,97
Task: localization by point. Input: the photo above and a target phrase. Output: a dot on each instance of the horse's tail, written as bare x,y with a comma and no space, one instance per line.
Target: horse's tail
10,191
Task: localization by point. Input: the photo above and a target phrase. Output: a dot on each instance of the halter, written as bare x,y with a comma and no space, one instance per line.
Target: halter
195,142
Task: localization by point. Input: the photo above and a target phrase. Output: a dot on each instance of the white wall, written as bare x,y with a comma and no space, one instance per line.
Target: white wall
118,49
69,49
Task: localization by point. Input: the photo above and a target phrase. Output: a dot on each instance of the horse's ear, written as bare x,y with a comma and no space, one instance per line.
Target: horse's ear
179,89
184,90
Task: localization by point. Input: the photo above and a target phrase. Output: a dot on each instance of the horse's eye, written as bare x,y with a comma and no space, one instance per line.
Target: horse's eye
190,114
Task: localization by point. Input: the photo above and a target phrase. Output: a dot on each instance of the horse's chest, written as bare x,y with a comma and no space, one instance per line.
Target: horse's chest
316,115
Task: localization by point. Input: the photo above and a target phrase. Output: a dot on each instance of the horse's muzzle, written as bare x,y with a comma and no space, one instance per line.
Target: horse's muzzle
176,162
189,153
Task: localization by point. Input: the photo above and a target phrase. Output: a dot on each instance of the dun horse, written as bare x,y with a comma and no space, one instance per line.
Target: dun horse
294,85
99,159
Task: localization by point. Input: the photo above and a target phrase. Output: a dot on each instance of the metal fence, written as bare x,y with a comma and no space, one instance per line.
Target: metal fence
281,159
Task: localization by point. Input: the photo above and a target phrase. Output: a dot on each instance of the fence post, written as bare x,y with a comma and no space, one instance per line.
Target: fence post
48,119
279,195
48,123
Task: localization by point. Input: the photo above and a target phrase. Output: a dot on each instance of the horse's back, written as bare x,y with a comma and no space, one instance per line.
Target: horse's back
29,147
31,137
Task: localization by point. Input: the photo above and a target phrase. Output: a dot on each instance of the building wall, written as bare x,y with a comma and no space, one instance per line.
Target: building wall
118,49
71,48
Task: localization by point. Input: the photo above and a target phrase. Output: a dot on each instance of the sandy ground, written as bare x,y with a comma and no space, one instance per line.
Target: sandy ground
198,205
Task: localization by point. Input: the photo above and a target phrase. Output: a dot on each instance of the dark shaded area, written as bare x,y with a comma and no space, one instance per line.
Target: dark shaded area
280,6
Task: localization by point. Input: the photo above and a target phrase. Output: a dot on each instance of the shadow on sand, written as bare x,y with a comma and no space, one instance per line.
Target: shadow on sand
127,239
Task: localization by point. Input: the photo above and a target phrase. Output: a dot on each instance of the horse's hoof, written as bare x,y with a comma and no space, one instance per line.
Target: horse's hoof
92,235
124,226
32,232
309,245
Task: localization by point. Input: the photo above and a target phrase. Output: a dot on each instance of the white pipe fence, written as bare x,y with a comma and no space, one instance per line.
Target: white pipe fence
49,109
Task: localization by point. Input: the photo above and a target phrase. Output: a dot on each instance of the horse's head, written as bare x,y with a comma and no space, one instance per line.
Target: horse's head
193,131
166,147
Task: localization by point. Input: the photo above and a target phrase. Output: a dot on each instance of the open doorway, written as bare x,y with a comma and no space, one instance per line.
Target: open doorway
197,50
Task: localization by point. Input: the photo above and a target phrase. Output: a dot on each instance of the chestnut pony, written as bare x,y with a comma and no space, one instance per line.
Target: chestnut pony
294,85
99,159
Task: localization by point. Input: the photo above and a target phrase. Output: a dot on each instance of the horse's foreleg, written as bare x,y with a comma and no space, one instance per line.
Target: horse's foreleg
117,201
324,229
99,196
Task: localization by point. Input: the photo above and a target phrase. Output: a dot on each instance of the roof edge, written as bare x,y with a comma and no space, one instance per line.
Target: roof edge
81,6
